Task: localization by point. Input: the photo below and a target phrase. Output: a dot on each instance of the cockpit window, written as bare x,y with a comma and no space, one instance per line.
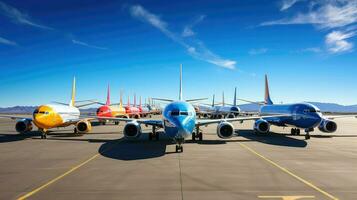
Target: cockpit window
35,112
183,113
175,113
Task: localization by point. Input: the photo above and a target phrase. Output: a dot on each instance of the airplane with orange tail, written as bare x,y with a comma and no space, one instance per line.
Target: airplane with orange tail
55,115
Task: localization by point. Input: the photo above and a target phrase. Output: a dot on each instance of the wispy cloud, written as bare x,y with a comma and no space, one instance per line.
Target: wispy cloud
187,30
196,49
286,4
7,42
258,51
87,45
336,41
312,49
18,17
338,15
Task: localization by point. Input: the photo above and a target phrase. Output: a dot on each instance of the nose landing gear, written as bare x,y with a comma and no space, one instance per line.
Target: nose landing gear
179,142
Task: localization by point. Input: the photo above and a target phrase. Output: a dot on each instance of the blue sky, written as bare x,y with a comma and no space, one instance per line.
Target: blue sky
307,48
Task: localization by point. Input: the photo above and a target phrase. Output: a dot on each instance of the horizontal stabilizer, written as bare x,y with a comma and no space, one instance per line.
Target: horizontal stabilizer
160,99
254,102
194,100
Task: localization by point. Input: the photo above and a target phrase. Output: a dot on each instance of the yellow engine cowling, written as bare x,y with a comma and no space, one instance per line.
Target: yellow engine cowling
83,126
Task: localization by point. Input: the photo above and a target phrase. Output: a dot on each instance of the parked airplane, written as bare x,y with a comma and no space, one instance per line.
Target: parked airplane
179,122
215,111
302,116
50,116
111,110
132,110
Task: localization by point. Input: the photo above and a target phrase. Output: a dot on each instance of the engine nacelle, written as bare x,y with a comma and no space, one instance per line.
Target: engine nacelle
327,126
132,130
225,130
23,126
83,126
261,126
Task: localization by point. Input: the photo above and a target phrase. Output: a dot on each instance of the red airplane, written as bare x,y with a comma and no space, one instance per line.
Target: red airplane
132,111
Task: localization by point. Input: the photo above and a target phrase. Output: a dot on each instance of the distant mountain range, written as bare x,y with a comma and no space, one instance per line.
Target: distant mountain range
325,107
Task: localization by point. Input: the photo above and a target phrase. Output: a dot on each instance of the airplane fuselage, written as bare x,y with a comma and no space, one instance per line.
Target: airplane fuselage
303,115
52,115
179,119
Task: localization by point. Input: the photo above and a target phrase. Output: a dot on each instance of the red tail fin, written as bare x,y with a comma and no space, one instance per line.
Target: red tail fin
108,97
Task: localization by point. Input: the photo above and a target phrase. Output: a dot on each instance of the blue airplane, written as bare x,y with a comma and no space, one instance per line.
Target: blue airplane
304,116
179,122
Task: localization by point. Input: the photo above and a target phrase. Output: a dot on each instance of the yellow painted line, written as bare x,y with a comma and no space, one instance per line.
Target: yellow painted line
62,175
57,178
289,172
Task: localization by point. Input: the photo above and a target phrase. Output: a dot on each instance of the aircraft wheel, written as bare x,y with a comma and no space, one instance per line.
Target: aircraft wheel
193,136
116,123
307,136
179,149
200,136
293,131
297,131
75,131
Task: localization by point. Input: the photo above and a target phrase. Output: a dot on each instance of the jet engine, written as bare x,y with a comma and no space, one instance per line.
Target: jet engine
132,130
83,126
261,126
327,126
23,126
225,130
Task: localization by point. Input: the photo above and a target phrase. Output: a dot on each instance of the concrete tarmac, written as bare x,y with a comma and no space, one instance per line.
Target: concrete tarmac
103,165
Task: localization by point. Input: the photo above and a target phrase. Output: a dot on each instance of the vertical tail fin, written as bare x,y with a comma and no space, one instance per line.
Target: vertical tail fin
223,104
213,101
108,96
128,100
121,99
267,95
73,97
134,100
235,97
140,102
180,94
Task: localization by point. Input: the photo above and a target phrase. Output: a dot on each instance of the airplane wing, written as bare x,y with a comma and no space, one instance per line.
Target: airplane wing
15,117
195,100
203,122
332,117
149,122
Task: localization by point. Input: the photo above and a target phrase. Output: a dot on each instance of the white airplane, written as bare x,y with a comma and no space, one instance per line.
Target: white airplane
55,115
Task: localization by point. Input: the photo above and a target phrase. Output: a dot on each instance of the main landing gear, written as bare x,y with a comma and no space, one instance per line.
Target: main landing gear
295,131
179,142
153,134
197,135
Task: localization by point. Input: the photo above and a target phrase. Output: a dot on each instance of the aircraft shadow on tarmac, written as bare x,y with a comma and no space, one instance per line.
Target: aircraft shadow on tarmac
136,149
273,138
4,137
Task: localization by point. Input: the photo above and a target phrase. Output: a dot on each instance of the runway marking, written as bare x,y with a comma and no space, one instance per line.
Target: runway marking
61,176
289,172
286,197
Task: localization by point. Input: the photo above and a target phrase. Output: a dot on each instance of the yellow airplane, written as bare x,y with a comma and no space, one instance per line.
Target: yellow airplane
56,115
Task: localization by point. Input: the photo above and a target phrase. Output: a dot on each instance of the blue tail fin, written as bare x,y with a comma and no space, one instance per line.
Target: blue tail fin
267,99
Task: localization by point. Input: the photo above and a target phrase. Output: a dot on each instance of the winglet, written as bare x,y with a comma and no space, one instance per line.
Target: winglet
267,99
72,102
235,97
180,94
108,96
